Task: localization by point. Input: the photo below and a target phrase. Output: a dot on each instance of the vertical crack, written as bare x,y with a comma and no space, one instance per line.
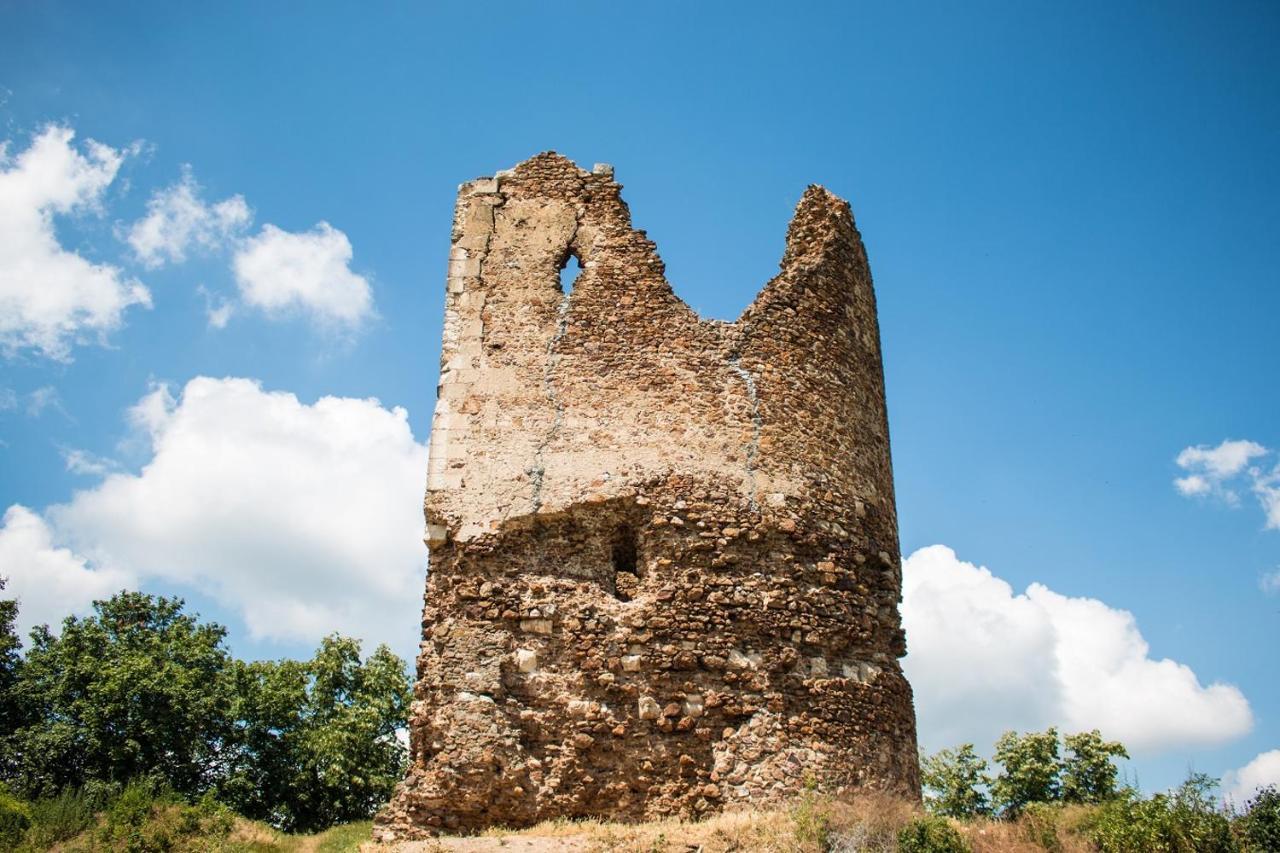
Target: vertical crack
537,471
757,422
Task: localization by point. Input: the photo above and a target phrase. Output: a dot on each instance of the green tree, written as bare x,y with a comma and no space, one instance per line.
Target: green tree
137,689
1259,827
317,741
957,781
1089,771
11,713
1030,770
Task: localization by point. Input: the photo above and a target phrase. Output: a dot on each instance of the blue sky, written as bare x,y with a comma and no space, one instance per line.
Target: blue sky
1071,214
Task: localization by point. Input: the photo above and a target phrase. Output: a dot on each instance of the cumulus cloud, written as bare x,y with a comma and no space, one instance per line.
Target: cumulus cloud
178,219
304,518
282,272
51,297
1210,468
1221,471
984,659
50,583
1241,784
1269,582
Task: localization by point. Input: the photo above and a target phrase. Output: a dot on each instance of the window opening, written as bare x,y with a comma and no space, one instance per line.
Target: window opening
569,272
626,577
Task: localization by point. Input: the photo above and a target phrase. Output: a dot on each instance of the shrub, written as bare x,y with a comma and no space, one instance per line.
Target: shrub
56,819
1185,821
812,823
931,834
1259,827
956,782
15,817
1039,823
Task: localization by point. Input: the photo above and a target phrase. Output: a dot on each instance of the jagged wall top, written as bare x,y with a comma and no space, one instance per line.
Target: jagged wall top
548,398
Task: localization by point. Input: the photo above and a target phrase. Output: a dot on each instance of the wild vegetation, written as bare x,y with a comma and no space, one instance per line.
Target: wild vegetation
135,729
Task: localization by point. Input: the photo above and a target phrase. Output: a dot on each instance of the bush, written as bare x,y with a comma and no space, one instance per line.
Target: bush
812,823
931,834
1185,821
1039,822
1258,829
15,817
56,819
955,781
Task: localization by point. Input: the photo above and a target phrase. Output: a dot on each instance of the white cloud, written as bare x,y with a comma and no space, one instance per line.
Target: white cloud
984,659
88,464
281,272
1240,785
217,310
8,399
1218,463
1266,486
1219,471
1270,582
303,518
50,583
44,398
178,219
50,297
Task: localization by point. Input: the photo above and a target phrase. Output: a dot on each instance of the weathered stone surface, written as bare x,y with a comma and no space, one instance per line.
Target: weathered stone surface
664,558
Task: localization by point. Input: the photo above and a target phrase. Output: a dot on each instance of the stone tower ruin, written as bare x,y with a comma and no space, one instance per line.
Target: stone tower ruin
664,553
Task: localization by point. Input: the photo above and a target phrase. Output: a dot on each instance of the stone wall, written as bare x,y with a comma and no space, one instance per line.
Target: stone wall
664,556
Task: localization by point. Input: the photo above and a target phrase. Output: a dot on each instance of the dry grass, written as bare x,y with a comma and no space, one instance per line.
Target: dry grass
812,824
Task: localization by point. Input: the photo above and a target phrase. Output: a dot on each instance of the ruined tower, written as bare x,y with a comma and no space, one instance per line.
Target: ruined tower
664,555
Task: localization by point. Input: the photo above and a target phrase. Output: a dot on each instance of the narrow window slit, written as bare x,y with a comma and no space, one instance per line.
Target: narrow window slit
626,578
570,269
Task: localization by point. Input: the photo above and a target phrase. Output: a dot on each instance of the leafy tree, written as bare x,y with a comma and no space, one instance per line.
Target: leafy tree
957,780
1089,771
137,689
317,741
1259,827
1031,769
10,662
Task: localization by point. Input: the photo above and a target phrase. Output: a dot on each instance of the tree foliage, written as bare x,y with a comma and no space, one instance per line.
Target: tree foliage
1031,770
957,781
137,689
1089,771
141,690
1259,827
318,739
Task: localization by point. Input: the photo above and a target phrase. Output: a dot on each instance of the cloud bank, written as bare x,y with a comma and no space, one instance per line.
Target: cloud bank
302,518
51,297
983,659
49,582
1241,784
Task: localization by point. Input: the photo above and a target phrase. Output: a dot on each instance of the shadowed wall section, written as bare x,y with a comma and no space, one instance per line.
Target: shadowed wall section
664,557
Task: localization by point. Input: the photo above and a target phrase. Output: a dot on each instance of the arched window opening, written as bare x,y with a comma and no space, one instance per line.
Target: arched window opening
626,576
570,269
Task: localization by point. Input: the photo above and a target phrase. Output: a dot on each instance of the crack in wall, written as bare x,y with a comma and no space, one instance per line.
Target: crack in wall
537,471
757,421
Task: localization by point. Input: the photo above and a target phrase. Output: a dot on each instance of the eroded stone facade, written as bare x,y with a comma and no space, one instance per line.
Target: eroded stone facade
664,555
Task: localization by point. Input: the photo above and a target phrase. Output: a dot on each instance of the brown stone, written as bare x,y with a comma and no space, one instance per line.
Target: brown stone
628,505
